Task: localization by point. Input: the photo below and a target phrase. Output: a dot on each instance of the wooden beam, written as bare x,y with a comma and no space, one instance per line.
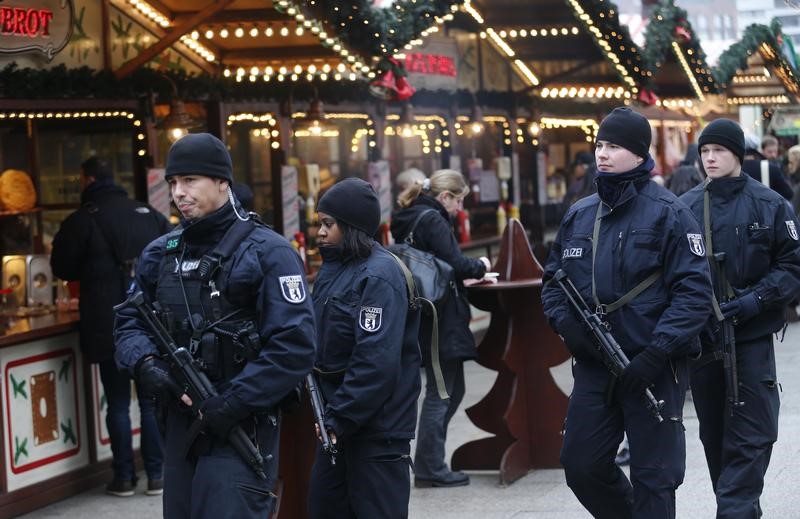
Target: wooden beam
154,50
235,16
298,52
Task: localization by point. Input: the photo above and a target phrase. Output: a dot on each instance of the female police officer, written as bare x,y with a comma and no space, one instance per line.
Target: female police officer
755,228
368,362
632,252
248,321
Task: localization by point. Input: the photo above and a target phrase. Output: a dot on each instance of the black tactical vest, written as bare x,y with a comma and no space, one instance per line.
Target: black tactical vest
199,317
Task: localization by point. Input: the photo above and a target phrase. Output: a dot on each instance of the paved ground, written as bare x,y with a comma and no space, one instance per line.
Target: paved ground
543,493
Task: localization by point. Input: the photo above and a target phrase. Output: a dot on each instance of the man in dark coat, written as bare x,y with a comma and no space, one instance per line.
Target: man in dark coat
758,232
756,165
635,253
96,245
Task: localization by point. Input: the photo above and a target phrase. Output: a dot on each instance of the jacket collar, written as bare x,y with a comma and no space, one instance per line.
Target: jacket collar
727,187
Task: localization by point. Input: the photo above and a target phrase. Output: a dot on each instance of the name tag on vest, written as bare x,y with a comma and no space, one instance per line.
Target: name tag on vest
572,252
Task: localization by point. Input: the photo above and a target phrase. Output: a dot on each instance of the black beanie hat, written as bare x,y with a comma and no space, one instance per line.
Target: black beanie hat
97,168
199,154
726,133
354,202
628,129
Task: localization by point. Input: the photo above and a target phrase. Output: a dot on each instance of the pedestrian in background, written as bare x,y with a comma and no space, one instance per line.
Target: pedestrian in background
687,175
758,233
367,363
635,253
97,245
768,173
246,320
425,217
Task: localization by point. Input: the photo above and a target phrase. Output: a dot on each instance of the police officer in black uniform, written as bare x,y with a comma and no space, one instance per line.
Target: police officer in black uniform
248,321
368,363
635,253
758,232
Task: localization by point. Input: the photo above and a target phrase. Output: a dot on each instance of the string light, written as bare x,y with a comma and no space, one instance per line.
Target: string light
688,71
597,92
759,100
150,12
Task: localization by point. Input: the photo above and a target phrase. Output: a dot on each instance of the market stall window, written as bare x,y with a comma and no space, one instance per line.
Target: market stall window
251,142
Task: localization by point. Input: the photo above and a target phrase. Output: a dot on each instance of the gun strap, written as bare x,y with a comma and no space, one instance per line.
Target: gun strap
710,250
413,301
632,293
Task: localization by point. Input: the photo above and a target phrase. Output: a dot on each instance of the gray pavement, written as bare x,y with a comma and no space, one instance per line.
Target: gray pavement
543,493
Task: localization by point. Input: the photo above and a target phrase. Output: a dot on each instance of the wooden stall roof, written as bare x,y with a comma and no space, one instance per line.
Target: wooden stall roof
677,66
568,43
238,35
756,72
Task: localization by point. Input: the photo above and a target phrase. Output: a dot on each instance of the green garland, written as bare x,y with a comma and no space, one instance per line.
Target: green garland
86,83
605,16
660,34
378,32
735,57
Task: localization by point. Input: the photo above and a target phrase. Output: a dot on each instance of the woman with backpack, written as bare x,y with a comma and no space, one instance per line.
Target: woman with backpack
424,221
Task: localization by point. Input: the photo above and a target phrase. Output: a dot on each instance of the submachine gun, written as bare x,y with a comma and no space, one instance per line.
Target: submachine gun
610,351
727,338
319,416
196,383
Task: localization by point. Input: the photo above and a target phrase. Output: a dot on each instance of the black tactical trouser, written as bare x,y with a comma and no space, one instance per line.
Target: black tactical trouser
738,447
594,431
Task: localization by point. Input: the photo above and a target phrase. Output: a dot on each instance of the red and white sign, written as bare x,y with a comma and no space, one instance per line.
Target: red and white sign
434,66
43,26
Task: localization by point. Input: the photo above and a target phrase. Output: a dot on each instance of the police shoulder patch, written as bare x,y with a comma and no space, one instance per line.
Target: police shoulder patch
292,289
792,229
370,318
696,244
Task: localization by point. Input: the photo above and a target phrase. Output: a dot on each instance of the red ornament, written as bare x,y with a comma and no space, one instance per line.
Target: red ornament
384,87
648,97
404,89
682,34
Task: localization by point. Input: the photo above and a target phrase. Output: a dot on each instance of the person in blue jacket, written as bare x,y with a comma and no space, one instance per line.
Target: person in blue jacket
367,362
758,232
635,253
247,320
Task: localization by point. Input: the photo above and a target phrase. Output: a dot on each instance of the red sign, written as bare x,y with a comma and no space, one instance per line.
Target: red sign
433,64
25,22
43,27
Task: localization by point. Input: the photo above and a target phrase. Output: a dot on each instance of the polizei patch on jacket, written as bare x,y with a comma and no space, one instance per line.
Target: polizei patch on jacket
293,289
696,244
792,229
370,318
572,252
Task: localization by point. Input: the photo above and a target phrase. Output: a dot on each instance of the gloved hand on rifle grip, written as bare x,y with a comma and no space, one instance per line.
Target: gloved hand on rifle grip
643,370
579,340
746,306
155,380
218,416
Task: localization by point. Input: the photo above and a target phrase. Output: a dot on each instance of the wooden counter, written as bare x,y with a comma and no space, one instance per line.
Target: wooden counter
54,441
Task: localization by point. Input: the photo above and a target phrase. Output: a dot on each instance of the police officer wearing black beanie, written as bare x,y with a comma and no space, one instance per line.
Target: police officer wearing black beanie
233,293
368,362
635,253
758,233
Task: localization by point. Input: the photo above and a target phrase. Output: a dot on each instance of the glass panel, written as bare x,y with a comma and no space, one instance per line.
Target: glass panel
250,146
63,146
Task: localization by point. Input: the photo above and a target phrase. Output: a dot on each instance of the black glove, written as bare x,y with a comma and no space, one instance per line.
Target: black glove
579,340
643,370
218,416
746,306
155,380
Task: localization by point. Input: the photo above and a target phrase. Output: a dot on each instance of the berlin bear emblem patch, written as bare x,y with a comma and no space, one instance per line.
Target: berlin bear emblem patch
369,319
792,229
696,244
293,289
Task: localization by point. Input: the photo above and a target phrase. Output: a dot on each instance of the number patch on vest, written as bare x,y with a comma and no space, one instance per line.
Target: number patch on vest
293,289
369,319
696,244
